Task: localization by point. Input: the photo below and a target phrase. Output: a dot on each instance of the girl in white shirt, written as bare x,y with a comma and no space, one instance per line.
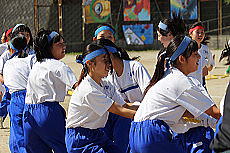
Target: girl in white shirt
206,63
16,71
130,78
221,142
48,82
167,30
170,96
91,103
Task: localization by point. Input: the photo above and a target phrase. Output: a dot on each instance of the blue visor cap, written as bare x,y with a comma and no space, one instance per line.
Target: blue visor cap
93,55
103,28
181,48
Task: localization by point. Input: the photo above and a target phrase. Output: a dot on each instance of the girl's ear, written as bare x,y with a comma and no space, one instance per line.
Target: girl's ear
89,63
182,59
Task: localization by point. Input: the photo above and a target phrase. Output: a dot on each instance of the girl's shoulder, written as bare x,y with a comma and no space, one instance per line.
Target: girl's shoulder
133,64
176,78
55,64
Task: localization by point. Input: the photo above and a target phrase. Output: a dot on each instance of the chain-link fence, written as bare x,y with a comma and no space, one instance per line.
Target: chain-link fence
45,14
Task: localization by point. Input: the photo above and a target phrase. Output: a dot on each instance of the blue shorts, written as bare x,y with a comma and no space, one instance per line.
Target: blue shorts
80,140
44,127
117,128
153,136
4,104
198,139
17,104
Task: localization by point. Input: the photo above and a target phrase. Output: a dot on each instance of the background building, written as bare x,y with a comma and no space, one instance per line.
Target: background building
67,17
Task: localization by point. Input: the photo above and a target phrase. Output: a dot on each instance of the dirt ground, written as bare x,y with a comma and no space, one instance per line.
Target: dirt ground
216,87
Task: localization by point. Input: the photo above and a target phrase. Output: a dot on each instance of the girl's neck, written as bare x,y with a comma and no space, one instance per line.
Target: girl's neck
118,66
96,78
182,69
199,45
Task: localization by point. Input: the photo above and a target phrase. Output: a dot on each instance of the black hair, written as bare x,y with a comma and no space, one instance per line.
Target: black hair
206,37
89,49
23,28
19,42
226,53
42,46
175,26
167,53
121,54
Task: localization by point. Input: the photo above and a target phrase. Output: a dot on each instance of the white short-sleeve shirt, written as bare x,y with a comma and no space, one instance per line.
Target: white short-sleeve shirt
133,81
48,82
16,72
170,97
3,48
3,58
90,102
206,59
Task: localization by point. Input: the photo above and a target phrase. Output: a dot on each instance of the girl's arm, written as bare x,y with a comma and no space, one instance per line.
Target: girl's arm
122,111
1,79
130,106
214,112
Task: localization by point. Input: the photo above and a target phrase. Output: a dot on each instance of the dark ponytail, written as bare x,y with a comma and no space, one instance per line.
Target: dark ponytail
159,70
176,25
226,53
166,54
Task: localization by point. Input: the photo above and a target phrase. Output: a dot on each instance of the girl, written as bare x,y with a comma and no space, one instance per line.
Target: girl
130,78
91,103
170,96
221,141
16,71
206,63
105,31
18,29
169,28
44,117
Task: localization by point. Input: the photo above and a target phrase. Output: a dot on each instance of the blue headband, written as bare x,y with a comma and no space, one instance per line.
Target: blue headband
52,35
103,28
181,48
111,49
93,55
162,26
17,25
